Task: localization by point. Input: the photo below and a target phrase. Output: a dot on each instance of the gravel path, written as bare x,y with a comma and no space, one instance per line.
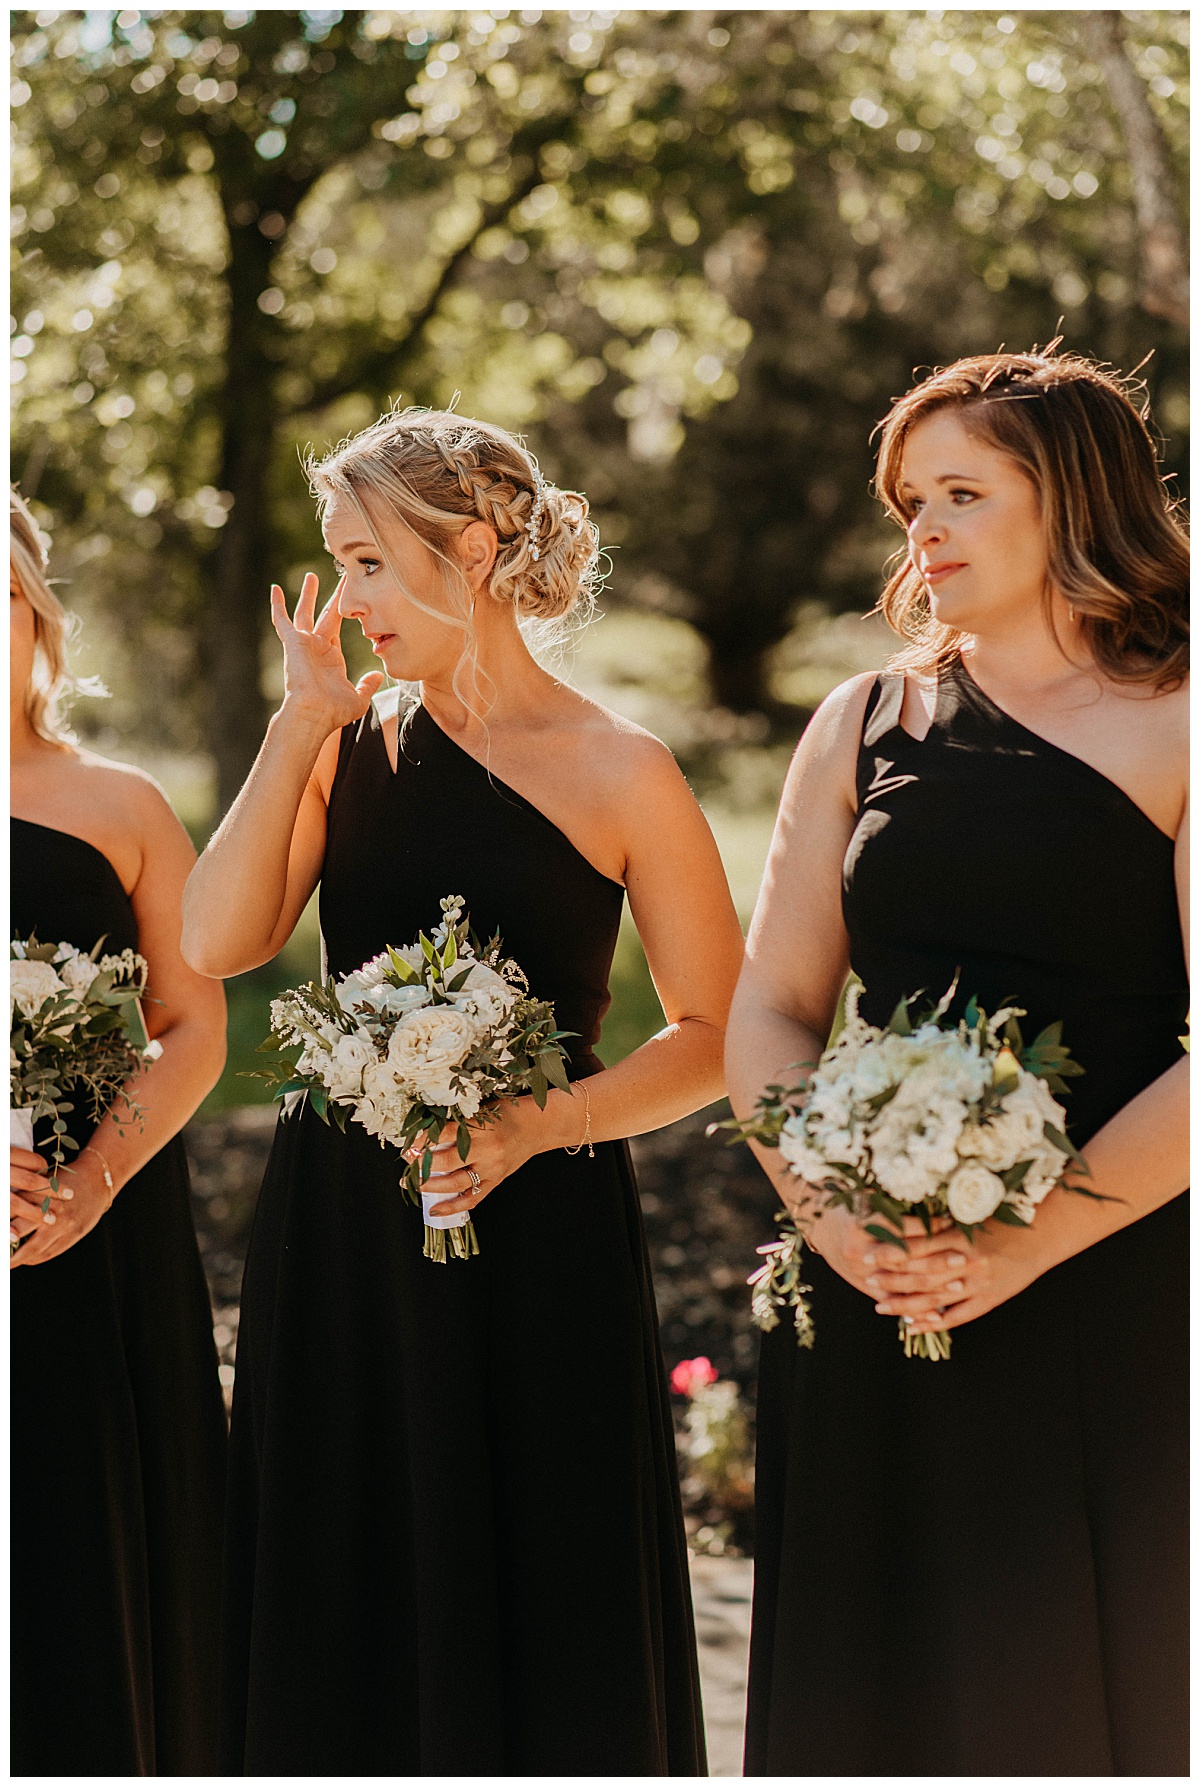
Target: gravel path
721,1590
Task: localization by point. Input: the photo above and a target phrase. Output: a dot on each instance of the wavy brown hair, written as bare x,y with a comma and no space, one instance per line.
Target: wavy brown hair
1114,544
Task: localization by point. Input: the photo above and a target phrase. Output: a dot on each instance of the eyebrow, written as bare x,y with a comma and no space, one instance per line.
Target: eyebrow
351,546
949,478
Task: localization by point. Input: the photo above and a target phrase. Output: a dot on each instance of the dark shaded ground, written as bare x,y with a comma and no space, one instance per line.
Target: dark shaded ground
707,1207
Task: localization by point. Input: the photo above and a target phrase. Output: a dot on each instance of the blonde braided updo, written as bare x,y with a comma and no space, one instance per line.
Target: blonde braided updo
437,472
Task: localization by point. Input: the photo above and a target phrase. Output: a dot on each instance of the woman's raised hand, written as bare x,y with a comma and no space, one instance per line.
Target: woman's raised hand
314,669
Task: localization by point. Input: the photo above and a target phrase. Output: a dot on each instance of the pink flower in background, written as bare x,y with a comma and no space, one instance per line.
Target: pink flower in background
691,1375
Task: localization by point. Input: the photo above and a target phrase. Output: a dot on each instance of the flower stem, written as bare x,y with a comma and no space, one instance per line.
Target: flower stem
463,1242
924,1346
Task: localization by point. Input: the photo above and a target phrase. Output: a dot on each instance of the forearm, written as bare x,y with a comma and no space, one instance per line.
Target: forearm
234,898
167,1092
1137,1162
765,1047
676,1072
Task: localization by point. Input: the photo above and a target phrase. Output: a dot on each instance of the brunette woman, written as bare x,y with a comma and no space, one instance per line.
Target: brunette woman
455,1543
978,1566
118,1430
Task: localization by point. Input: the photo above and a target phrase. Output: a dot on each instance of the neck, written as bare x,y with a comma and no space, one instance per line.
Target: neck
509,685
23,742
1030,655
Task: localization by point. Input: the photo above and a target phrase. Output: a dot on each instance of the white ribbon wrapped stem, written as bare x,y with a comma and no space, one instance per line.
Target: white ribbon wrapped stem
429,1198
20,1128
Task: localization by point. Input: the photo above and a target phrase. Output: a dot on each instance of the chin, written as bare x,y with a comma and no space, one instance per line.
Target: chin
395,660
956,611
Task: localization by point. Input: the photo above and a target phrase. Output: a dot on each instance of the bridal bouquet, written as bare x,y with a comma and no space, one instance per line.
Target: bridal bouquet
415,1041
931,1120
75,1021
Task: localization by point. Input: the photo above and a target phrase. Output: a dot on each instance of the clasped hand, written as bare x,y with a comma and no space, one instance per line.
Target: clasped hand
941,1280
75,1209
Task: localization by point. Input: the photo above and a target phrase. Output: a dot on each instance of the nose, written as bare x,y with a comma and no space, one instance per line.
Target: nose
345,601
926,529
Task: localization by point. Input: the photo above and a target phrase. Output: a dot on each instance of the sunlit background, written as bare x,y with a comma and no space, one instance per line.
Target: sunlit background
691,255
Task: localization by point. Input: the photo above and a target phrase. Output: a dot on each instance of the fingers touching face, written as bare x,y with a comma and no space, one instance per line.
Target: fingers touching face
400,596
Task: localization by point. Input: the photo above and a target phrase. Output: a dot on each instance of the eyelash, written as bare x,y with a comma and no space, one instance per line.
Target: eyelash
915,507
373,563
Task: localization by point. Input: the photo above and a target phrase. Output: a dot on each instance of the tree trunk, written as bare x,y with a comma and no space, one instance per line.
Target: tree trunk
240,568
1164,281
738,679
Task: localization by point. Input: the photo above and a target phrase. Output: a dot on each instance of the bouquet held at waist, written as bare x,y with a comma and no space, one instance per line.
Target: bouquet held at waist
927,1119
75,1025
422,1038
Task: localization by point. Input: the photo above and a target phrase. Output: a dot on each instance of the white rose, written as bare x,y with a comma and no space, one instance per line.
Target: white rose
344,1071
486,995
1016,1131
392,1001
30,984
973,1194
78,972
428,1045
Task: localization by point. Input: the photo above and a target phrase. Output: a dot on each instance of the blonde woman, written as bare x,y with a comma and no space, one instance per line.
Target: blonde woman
979,1567
118,1431
455,1543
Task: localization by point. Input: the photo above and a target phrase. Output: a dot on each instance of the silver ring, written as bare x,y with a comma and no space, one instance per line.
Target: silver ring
473,1176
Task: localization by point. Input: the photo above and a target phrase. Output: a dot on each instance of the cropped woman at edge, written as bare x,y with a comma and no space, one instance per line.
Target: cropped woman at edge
462,1476
978,1566
117,1425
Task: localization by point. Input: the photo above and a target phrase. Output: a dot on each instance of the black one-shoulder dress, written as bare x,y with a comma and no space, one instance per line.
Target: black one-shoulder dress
454,1541
117,1435
979,1566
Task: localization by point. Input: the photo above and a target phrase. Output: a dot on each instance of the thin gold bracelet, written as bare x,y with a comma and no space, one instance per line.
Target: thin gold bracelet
108,1178
586,1141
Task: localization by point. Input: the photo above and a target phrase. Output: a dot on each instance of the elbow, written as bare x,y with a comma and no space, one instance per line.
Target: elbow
201,957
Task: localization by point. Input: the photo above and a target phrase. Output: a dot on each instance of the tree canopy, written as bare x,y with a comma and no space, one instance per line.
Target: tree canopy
693,255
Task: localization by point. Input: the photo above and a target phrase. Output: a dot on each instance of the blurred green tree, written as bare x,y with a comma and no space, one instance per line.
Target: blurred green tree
874,193
698,252
240,116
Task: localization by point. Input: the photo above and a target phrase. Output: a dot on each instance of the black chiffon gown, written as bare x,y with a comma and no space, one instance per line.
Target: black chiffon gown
117,1435
454,1543
980,1566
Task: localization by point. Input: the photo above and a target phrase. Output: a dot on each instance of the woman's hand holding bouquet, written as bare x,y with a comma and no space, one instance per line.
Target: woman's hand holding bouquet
75,1027
908,1141
437,1036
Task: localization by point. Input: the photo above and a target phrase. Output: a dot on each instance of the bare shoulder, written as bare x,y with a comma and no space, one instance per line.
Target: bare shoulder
1170,710
622,758
827,754
123,793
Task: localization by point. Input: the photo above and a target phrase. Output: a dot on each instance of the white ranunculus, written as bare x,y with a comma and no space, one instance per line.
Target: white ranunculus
30,984
428,1045
486,995
974,1193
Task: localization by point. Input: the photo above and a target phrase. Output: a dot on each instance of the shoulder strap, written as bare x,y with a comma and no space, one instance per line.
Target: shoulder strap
883,706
